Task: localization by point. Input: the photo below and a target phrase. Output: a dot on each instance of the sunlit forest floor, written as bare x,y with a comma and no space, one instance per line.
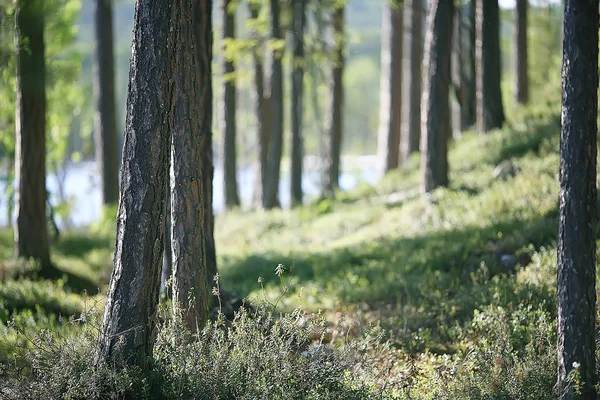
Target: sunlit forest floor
462,283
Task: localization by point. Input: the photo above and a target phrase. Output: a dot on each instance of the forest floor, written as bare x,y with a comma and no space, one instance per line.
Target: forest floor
462,282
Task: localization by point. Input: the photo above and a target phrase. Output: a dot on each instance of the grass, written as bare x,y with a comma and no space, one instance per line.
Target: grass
461,282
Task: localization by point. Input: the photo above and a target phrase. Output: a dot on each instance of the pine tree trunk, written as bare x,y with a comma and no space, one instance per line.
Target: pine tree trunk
129,314
228,107
390,91
104,88
337,104
31,232
577,204
521,70
436,126
464,65
299,21
490,111
190,207
413,56
275,146
263,114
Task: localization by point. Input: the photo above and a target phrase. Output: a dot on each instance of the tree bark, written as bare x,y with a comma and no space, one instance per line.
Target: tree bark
190,207
521,69
228,107
490,111
275,145
299,22
390,91
436,126
337,105
577,202
31,232
413,56
105,123
464,65
129,315
263,113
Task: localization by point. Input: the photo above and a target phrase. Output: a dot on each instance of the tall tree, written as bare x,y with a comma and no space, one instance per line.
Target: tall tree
390,90
263,109
413,56
228,107
463,65
129,315
521,69
275,146
298,25
577,204
337,104
104,88
31,233
490,111
191,227
436,127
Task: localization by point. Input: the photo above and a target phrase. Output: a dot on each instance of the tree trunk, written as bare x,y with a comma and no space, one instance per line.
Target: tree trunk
390,91
436,127
521,70
190,207
129,315
105,123
299,21
167,263
31,233
263,114
337,104
228,107
490,111
275,146
411,107
464,65
577,205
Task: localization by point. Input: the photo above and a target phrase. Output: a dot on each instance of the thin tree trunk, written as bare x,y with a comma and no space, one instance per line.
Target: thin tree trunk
129,315
263,114
299,22
521,69
577,205
275,147
336,125
228,107
490,111
31,233
463,65
390,91
104,88
167,263
413,56
191,142
436,127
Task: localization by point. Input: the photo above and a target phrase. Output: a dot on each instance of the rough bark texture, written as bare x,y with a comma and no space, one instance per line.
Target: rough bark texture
191,141
463,68
436,127
390,90
490,111
521,70
413,57
577,200
31,232
299,21
275,142
337,105
105,123
228,107
129,315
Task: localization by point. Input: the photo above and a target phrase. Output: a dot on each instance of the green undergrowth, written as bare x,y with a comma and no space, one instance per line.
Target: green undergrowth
459,287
